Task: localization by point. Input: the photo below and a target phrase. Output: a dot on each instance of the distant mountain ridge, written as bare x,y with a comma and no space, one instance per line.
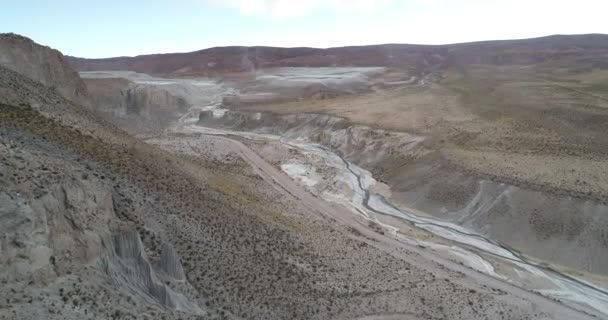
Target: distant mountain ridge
407,56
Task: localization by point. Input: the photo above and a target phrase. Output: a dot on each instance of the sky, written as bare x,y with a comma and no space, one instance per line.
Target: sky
97,29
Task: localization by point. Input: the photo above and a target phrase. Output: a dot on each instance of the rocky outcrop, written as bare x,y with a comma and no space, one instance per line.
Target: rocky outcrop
135,104
121,98
54,233
108,95
128,267
169,262
65,250
25,244
41,64
361,144
154,103
59,225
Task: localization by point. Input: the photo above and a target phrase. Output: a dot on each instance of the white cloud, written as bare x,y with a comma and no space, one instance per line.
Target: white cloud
295,8
358,22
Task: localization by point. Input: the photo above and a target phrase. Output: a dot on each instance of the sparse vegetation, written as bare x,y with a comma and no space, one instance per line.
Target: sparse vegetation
247,248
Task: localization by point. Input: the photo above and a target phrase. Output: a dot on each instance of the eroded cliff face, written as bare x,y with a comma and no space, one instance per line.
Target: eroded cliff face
67,249
153,103
138,102
42,64
123,98
565,229
60,229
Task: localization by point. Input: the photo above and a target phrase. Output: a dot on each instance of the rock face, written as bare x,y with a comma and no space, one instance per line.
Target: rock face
41,64
136,105
127,266
48,233
58,227
153,103
109,95
65,250
169,262
25,241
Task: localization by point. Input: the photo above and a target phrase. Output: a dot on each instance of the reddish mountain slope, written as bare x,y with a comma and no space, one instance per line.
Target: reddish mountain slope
571,48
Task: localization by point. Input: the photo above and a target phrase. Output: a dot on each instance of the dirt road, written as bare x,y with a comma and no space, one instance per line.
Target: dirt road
335,213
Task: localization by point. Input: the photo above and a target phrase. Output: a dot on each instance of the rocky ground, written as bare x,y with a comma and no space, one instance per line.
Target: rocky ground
102,227
99,224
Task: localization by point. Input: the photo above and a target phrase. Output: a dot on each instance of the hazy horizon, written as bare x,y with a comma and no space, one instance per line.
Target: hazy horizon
114,28
362,45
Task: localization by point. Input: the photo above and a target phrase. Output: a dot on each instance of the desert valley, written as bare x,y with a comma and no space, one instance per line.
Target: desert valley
460,181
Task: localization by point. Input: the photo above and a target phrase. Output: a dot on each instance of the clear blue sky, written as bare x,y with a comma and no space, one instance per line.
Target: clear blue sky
121,27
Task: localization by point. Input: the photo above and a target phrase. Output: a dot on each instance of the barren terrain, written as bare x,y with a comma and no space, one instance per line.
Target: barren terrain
465,181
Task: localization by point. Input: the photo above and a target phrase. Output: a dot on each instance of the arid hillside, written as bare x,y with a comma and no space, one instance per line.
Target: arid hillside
588,51
41,64
97,224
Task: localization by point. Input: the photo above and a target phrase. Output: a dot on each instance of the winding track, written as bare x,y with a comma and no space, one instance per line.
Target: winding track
343,216
519,258
580,290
